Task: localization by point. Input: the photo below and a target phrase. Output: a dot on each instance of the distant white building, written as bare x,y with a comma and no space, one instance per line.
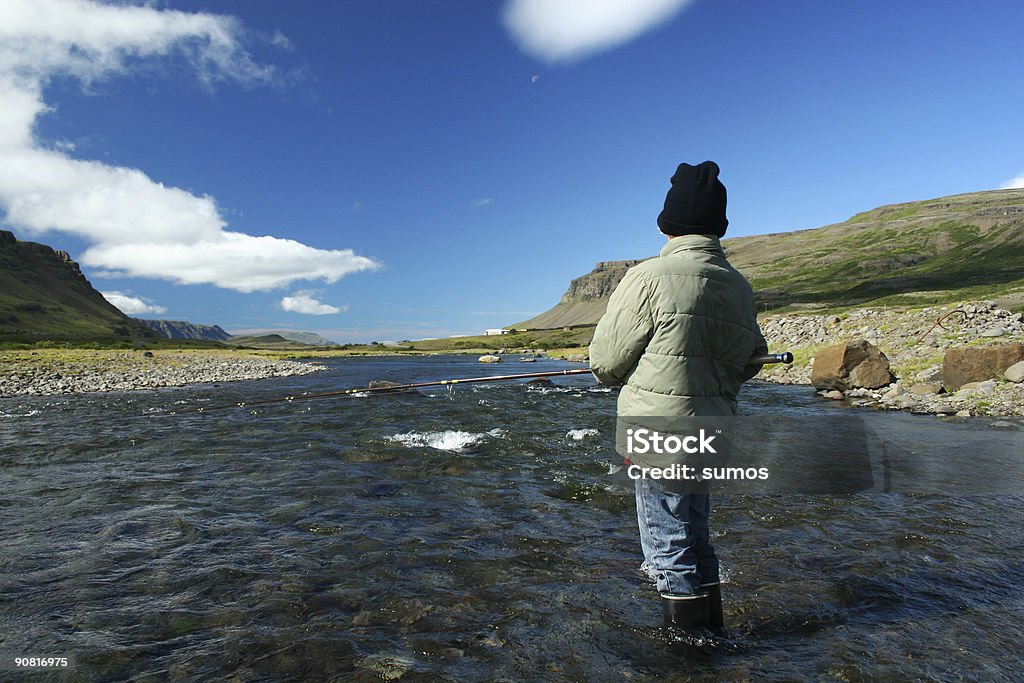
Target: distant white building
495,331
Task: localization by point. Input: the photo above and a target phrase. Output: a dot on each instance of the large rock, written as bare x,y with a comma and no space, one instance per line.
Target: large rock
978,363
1015,373
853,364
986,387
489,358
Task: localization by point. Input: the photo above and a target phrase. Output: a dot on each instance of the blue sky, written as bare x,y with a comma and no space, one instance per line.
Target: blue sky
396,170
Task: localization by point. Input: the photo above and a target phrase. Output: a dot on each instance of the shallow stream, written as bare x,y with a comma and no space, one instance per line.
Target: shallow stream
484,534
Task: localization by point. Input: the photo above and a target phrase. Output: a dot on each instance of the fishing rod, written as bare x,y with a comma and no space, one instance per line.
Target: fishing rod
785,357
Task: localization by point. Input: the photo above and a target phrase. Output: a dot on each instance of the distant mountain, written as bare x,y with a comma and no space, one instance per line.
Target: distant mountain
44,296
932,251
270,341
179,329
310,338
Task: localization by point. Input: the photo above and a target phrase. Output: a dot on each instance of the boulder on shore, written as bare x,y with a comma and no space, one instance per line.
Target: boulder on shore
852,364
978,363
1015,373
986,387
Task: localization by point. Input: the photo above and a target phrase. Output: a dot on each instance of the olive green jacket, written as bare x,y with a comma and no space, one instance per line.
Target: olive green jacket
678,333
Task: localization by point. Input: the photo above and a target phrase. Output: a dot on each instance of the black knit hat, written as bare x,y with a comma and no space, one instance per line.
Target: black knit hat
695,204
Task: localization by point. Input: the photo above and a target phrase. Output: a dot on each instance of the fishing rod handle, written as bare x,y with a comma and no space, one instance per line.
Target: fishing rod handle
784,357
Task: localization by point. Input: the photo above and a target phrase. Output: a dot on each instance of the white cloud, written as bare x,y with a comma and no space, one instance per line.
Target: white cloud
135,226
90,40
567,30
230,259
484,201
131,305
303,302
1013,183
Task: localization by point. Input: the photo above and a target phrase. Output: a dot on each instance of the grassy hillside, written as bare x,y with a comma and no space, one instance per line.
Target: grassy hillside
566,314
43,295
968,246
964,246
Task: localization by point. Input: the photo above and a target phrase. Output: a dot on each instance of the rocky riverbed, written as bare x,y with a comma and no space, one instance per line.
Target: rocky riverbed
54,372
915,342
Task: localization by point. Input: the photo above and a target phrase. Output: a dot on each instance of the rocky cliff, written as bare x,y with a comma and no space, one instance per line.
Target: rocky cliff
585,300
43,295
598,283
179,329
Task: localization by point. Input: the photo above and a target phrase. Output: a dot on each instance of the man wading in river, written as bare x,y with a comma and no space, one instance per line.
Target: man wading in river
677,335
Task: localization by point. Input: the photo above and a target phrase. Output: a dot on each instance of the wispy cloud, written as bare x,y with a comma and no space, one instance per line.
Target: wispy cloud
483,201
568,30
134,225
1013,183
305,303
132,305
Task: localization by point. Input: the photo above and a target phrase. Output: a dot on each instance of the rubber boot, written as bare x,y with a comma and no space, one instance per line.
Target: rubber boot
685,611
714,606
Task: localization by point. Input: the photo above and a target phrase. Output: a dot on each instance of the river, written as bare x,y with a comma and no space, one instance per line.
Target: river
483,534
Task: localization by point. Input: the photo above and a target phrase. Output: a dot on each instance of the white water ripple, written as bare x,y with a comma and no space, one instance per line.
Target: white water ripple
447,440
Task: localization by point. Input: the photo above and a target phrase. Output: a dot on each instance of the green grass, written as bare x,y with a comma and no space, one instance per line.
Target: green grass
555,343
927,259
577,337
113,344
906,370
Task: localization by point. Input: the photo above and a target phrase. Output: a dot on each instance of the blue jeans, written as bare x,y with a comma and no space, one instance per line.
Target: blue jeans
675,538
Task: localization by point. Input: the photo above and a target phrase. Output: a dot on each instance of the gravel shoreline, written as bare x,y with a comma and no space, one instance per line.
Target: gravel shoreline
46,373
915,345
909,338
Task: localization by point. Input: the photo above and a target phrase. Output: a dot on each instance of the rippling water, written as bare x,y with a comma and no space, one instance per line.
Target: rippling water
485,534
